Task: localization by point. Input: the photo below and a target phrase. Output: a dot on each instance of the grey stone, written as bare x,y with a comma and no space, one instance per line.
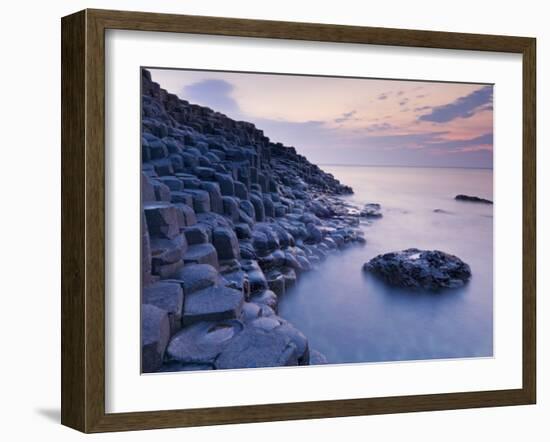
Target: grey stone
202,342
201,200
317,358
155,333
241,191
226,184
213,189
254,348
212,304
197,234
243,231
371,210
173,183
162,219
167,251
259,212
186,215
168,297
414,268
202,254
231,208
472,199
226,243
146,265
196,277
250,312
267,298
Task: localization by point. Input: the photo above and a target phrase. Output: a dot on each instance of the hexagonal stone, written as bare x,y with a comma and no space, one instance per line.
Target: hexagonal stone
201,200
226,243
213,189
187,216
196,277
162,219
155,333
168,297
212,304
202,254
202,342
254,348
267,298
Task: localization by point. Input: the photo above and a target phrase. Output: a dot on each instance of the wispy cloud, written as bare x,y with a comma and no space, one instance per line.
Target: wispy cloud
463,107
347,116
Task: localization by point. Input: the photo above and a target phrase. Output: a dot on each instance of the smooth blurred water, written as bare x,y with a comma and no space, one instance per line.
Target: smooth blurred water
352,317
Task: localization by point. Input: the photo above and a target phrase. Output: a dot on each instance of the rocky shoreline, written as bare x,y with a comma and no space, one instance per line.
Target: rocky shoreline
230,221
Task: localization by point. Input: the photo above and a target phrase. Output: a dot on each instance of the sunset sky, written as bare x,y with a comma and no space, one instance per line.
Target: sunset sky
352,121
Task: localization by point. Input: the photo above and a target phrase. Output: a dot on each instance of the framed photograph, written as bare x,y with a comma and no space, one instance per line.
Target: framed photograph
267,220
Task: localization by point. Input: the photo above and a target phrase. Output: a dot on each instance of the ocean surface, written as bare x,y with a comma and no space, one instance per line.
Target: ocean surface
353,317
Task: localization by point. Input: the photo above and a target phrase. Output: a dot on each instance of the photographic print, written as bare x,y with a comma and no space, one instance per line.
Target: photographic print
297,220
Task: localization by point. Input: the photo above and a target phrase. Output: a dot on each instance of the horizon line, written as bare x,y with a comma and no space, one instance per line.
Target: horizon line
408,166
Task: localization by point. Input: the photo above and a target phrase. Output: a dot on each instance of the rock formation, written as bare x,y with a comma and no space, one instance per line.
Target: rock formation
230,220
420,269
472,199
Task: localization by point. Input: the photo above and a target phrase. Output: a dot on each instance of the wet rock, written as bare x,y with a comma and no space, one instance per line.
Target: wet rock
197,234
317,358
259,212
173,183
314,234
247,250
265,298
202,254
162,219
371,210
248,208
226,243
276,282
255,347
147,189
231,208
240,190
201,200
226,183
215,195
256,277
243,231
168,297
196,277
212,304
202,342
146,264
165,252
238,279
181,197
473,199
186,215
155,333
298,339
414,268
289,276
250,312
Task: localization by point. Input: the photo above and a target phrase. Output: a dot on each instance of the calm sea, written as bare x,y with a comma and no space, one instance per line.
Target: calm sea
352,317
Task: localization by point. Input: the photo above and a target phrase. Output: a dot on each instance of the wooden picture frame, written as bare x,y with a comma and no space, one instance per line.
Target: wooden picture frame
83,220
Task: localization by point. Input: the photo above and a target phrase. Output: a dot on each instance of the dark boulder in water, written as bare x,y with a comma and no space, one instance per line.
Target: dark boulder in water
372,210
420,269
472,199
